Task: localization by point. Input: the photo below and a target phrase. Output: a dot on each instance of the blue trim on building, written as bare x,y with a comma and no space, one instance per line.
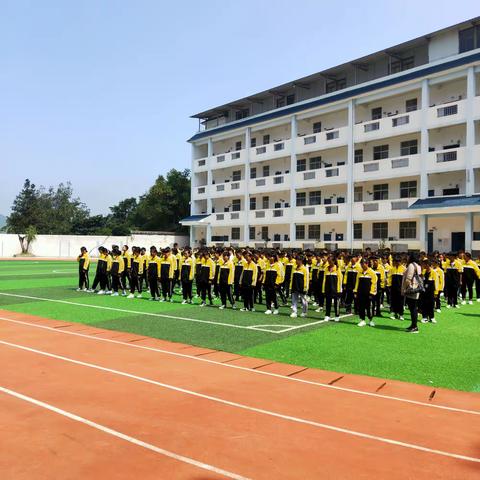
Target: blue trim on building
194,218
340,96
445,202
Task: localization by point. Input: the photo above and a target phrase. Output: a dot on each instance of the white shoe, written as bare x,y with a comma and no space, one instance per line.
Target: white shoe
184,302
293,315
275,312
234,307
162,299
438,310
449,306
393,317
79,289
252,310
318,310
139,295
371,323
124,293
464,302
314,304
478,300
221,307
381,306
101,292
90,290
303,315
424,320
337,319
401,318
171,300
362,323
470,302
203,304
268,312
327,319
115,294
457,306
131,296
242,309
432,320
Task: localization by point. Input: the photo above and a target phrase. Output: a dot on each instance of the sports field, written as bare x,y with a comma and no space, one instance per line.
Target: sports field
442,355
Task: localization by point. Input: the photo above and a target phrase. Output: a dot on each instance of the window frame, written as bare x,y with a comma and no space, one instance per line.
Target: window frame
379,230
381,152
380,192
407,230
300,232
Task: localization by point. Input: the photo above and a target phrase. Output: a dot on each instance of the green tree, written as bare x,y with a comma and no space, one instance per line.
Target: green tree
26,209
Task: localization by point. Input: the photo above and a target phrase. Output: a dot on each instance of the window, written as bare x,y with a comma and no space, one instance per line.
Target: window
408,189
266,139
450,191
315,198
236,175
265,202
402,64
334,85
407,230
235,233
376,113
411,105
243,113
238,145
285,100
396,122
253,172
251,233
333,135
358,194
469,39
380,230
290,99
357,231
253,142
448,110
358,156
317,127
266,170
301,165
314,232
253,203
301,199
236,205
380,151
380,192
300,232
315,163
265,234
409,147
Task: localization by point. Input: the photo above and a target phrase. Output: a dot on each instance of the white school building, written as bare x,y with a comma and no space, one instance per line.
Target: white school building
381,151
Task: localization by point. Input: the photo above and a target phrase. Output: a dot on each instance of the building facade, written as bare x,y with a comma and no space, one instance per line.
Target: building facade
381,151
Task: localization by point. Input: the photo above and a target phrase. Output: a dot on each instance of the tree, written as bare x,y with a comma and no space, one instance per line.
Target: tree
27,239
124,212
26,209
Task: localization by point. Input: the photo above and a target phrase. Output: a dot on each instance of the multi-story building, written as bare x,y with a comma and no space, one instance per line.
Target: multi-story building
384,150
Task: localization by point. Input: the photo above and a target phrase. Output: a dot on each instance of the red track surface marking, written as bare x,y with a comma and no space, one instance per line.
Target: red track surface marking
256,425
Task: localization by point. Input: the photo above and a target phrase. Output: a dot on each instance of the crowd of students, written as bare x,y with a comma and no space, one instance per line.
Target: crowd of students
361,283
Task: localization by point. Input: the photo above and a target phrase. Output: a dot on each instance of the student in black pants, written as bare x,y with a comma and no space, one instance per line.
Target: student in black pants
365,291
248,282
238,263
410,284
332,288
153,273
452,280
225,281
136,271
187,272
272,278
101,273
426,300
83,265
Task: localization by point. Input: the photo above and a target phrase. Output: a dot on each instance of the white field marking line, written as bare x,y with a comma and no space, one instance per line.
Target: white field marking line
135,312
39,273
258,372
122,436
303,421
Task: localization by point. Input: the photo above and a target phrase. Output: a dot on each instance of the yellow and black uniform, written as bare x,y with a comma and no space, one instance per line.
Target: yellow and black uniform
332,288
394,283
441,285
206,276
365,290
127,262
380,272
198,268
167,272
272,279
238,263
299,288
118,266
257,291
101,273
218,263
226,277
287,277
248,280
471,272
349,281
426,300
187,272
153,273
453,270
83,265
136,272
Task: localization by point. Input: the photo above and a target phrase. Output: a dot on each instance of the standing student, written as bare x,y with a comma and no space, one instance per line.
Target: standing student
144,276
394,283
177,257
83,266
239,263
299,287
426,300
101,272
377,267
248,281
257,291
218,260
127,260
320,297
198,269
441,284
207,273
272,279
471,272
453,270
349,280
411,285
332,288
167,272
187,272
365,292
225,280
477,281
153,273
118,266
136,272
287,279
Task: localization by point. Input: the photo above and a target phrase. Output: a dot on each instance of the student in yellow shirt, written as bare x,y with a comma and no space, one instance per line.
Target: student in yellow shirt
187,272
332,287
426,301
225,280
394,283
136,272
144,276
248,281
118,267
153,268
83,265
167,272
272,279
365,291
127,261
299,287
206,275
101,273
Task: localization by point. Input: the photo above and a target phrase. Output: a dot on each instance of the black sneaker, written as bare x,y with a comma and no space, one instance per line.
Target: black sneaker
412,330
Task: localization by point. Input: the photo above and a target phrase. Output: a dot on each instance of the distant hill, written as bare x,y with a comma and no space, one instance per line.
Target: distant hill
3,220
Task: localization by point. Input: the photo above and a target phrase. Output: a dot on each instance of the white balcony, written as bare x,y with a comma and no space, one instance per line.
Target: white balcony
388,168
476,108
321,176
227,189
277,149
383,209
336,137
226,219
273,183
321,213
446,114
228,159
446,160
269,216
201,165
388,126
476,156
201,192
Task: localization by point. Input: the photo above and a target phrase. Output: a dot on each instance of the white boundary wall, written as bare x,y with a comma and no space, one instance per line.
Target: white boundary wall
68,246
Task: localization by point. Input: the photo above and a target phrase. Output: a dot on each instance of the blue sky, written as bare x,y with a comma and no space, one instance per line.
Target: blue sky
99,93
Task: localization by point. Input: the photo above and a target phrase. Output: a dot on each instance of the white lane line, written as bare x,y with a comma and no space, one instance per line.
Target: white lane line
136,312
39,273
123,436
303,421
257,372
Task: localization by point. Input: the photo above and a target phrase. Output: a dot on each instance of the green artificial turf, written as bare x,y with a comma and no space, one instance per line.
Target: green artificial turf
446,354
